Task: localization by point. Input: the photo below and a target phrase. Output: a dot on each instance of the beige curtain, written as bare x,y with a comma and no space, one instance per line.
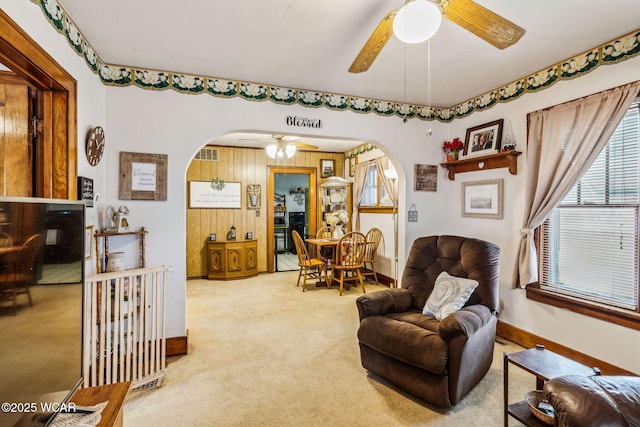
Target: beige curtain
562,142
382,163
359,180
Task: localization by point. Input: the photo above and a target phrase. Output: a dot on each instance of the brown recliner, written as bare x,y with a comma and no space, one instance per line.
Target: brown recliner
437,361
577,400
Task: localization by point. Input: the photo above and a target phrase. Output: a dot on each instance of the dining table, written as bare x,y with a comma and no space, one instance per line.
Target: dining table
320,243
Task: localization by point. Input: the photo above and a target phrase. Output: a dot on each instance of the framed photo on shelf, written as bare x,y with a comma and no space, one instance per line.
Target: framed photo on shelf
483,139
327,168
482,199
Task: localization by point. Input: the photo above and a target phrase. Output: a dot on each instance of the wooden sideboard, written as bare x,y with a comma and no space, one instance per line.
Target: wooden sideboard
232,259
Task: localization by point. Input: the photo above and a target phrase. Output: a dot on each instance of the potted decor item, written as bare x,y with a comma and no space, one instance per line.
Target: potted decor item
452,149
337,220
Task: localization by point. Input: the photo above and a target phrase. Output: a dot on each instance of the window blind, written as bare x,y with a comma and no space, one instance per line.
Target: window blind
590,241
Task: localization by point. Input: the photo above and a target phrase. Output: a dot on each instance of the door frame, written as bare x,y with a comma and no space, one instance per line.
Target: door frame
57,145
312,206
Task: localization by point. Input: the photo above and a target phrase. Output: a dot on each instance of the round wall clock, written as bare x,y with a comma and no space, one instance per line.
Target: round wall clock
95,145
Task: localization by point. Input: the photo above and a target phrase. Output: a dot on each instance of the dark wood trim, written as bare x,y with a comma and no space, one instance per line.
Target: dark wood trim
57,166
376,209
177,346
607,313
529,340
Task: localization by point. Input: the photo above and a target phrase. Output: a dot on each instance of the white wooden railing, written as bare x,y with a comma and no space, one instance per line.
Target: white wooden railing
124,327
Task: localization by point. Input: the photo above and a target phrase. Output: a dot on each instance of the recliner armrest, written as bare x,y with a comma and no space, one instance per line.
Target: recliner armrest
466,321
382,302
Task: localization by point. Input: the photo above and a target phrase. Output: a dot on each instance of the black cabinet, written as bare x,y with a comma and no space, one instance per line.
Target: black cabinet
297,222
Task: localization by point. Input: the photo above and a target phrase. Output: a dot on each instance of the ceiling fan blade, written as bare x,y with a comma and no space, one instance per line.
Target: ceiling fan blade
374,45
303,145
484,23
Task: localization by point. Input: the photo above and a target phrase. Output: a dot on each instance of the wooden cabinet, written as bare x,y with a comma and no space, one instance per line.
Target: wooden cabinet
335,198
233,259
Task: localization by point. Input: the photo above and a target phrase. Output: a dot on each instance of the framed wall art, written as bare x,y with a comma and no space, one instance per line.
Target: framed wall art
483,139
482,199
327,168
203,195
353,161
143,176
425,178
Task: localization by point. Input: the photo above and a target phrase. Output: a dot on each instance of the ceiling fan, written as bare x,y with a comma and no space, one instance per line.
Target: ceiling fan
479,20
285,146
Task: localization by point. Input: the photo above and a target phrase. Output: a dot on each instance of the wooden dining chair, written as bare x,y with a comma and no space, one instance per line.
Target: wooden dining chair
5,239
326,252
348,260
309,267
17,278
373,238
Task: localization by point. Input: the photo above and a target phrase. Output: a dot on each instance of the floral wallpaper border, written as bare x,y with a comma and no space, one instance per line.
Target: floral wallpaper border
617,50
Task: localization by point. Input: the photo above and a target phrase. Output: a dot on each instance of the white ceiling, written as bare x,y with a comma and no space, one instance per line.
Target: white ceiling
311,44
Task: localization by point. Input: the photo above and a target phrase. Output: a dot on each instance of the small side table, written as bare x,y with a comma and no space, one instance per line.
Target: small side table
544,364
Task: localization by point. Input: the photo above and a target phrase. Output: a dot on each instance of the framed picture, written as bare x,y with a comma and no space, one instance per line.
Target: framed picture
88,240
484,139
327,168
482,199
426,178
353,161
203,195
85,190
143,176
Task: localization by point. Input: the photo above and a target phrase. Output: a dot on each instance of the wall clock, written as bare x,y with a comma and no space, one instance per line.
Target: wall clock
95,145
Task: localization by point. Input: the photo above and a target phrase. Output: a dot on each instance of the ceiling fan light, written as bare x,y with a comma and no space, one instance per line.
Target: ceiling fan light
271,150
290,150
417,21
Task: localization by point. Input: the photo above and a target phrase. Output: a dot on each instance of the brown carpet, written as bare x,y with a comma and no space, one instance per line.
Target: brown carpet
263,353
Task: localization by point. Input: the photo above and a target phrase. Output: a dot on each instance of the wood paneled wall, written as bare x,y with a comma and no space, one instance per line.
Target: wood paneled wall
15,146
247,166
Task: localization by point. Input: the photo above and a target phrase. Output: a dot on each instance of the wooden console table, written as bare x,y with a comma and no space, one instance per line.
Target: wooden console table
116,394
232,259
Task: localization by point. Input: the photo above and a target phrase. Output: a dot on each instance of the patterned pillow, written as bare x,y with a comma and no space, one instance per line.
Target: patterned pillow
448,296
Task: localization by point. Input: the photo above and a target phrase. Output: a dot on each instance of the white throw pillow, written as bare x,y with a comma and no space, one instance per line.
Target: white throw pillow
449,295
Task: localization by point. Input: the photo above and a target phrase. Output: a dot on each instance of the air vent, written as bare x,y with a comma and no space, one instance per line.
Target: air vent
208,154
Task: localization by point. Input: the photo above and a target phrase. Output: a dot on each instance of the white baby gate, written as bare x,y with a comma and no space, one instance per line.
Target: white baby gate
124,327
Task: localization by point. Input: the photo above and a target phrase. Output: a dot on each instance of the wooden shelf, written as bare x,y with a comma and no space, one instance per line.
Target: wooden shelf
507,159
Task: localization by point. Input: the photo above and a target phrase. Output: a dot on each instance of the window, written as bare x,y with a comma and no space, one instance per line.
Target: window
374,195
589,244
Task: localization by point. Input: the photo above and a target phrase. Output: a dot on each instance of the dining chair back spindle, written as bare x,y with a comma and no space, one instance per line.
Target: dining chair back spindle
347,263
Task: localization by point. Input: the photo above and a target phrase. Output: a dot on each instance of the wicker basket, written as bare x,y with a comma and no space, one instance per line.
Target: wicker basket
534,398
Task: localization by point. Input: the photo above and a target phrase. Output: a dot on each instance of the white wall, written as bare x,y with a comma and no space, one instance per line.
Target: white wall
178,125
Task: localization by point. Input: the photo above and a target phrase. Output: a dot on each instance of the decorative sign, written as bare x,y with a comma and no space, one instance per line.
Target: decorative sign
143,176
303,122
202,195
426,178
413,214
85,190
